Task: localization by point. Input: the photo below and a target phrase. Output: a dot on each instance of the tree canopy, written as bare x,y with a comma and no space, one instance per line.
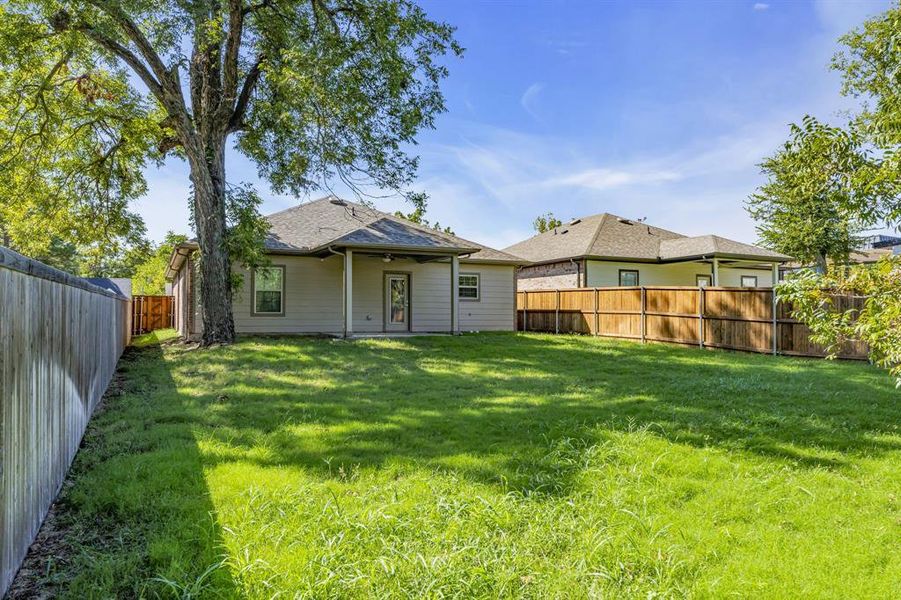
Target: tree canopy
417,215
313,91
546,222
821,192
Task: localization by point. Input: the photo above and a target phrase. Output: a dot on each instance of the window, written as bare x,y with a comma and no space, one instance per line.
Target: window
269,291
628,278
468,286
748,281
702,280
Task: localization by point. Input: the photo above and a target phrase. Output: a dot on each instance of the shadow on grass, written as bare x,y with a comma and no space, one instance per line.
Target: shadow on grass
512,400
135,517
518,412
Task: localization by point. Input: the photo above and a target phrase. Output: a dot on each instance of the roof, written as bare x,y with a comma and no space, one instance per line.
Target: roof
611,237
863,256
313,227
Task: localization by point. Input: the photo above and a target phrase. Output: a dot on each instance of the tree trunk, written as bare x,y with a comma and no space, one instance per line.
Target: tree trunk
208,177
822,264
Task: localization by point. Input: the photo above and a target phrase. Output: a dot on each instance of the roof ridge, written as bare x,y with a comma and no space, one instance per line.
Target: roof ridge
597,231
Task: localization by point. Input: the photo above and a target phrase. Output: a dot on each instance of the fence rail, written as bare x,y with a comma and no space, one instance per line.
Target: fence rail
149,313
749,319
61,338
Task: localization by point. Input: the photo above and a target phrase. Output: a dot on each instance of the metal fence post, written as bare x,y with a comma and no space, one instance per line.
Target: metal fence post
557,312
775,323
525,310
644,315
702,306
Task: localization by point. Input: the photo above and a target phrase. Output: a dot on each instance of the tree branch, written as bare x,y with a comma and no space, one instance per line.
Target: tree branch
236,122
134,33
230,62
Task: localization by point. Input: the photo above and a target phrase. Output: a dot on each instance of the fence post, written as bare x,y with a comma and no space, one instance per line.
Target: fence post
644,315
702,306
775,323
525,310
597,324
557,312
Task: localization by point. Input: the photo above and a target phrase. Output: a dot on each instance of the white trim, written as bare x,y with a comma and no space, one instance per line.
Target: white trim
477,286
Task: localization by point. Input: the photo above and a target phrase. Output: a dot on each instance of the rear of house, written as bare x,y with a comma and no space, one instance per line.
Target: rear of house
607,251
342,268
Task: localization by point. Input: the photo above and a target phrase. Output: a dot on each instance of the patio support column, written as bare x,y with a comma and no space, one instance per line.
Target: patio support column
348,293
716,272
455,294
775,274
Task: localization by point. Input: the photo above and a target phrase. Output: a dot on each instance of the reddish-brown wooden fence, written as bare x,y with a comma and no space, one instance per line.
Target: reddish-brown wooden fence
735,318
149,313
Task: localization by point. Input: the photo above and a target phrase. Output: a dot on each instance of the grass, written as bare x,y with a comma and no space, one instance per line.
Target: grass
483,466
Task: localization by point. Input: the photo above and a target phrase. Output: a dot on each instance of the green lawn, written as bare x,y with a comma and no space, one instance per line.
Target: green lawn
484,466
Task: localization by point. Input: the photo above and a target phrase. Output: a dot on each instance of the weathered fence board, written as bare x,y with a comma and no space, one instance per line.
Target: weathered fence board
731,318
149,313
61,339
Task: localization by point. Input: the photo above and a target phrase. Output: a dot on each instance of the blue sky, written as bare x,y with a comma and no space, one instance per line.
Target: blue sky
643,109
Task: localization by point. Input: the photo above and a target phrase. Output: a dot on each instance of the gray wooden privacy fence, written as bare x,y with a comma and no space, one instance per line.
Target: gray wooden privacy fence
60,339
747,319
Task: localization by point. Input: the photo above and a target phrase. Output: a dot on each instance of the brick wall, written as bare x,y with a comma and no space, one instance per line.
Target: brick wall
560,275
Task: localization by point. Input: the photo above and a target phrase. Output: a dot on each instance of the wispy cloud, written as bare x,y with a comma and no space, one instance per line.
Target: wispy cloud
530,97
605,179
761,6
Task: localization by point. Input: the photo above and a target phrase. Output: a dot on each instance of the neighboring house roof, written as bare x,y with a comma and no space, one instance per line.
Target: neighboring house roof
608,236
117,285
313,227
862,257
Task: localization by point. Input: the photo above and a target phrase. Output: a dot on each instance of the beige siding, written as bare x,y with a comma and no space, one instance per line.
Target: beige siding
606,274
429,304
313,298
495,309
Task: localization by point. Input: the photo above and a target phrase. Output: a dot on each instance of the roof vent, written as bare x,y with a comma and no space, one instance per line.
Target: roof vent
625,221
338,201
575,221
564,231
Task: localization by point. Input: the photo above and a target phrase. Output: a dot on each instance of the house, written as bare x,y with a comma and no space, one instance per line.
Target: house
867,254
606,250
343,268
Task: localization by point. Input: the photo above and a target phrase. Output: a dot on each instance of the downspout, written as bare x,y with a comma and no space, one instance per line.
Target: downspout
578,271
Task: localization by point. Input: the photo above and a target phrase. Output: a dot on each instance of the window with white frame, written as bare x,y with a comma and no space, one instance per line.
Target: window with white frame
468,286
628,277
748,281
269,291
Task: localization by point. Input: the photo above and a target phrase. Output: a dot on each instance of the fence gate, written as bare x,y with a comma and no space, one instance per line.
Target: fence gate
149,313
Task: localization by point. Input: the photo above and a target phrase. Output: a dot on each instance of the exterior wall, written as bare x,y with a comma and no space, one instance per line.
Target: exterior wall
314,297
559,275
606,274
496,308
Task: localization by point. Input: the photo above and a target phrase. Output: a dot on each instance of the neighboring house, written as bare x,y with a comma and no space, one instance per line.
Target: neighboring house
867,255
118,285
605,250
342,268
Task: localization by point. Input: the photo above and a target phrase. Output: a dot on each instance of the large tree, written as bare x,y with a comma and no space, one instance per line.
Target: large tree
819,195
314,91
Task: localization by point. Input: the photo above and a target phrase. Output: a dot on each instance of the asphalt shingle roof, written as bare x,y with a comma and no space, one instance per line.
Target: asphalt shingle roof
329,221
609,236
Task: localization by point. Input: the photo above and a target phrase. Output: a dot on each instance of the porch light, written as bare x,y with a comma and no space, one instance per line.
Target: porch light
387,258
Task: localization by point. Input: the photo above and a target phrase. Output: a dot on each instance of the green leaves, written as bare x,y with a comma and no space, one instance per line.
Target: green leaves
878,323
345,88
546,222
822,190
